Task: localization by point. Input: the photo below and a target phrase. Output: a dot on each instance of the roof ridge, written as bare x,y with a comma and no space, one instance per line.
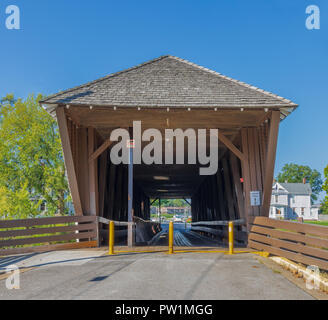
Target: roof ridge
234,80
105,77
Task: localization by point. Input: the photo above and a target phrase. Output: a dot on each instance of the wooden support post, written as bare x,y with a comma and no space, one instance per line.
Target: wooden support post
246,175
69,162
112,180
83,169
102,182
270,162
252,167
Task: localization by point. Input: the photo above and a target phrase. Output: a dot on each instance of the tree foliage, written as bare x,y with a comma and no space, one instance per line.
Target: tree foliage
31,163
293,173
177,203
324,205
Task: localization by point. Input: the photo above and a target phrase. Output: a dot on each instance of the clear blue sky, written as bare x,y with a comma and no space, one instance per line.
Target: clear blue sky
265,43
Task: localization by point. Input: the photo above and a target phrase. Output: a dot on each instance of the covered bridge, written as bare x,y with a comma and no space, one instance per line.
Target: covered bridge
170,92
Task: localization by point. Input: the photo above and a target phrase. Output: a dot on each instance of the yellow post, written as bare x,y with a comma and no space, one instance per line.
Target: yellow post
111,237
231,238
171,237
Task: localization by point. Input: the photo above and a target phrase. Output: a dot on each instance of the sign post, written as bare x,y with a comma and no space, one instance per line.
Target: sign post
131,237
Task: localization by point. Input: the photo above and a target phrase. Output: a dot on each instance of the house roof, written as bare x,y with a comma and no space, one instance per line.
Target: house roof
297,188
169,81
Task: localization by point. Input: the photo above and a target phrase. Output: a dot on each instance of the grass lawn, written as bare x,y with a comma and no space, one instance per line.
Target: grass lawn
321,223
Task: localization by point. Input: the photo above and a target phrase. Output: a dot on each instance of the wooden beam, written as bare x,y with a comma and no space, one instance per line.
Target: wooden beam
83,169
69,162
270,162
246,174
231,146
252,167
103,167
112,181
100,150
157,118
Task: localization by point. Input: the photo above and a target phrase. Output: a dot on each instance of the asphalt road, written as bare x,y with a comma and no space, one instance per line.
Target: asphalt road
74,275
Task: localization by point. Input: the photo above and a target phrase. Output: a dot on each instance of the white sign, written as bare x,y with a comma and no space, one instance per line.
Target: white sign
255,198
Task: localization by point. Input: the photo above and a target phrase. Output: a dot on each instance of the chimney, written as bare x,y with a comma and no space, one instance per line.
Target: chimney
304,180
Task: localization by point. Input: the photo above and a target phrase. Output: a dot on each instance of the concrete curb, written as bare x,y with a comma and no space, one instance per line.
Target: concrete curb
302,272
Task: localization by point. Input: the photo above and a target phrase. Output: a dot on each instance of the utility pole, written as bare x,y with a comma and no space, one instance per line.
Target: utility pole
131,236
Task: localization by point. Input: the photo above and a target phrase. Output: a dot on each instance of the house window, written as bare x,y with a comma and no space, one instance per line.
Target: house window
43,206
277,199
302,212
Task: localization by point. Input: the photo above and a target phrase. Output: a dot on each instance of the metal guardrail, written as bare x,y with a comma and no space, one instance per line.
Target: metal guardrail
116,223
219,223
124,223
210,228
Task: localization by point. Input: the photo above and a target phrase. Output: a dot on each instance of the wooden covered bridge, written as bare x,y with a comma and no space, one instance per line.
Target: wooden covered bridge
170,93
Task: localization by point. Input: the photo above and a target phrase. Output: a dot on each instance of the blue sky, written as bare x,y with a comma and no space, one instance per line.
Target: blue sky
265,43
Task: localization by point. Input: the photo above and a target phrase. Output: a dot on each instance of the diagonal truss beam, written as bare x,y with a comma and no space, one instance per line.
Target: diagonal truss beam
231,146
100,150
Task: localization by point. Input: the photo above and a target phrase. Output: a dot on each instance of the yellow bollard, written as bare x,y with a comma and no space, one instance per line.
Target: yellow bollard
171,237
231,238
111,237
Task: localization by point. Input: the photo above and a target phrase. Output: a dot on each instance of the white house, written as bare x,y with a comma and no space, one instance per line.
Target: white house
291,201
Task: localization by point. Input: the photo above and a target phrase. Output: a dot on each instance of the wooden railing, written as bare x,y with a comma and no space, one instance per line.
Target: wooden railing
303,243
220,229
47,234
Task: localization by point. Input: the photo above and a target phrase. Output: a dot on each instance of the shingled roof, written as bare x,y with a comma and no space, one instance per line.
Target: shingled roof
169,81
297,188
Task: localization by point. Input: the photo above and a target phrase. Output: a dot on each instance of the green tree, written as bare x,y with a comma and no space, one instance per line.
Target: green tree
31,163
324,204
171,203
293,173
